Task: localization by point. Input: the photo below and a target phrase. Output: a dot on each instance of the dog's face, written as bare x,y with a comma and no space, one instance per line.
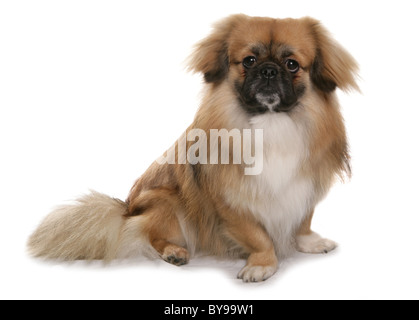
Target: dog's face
271,64
268,69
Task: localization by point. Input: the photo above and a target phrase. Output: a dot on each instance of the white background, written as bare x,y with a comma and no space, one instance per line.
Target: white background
91,92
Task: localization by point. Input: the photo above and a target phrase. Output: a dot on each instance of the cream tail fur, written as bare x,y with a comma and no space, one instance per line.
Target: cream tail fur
94,227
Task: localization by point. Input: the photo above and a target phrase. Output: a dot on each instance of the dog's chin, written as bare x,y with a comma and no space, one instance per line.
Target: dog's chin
270,101
265,99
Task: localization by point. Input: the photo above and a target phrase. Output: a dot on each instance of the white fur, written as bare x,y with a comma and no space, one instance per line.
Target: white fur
256,273
314,243
270,101
87,229
279,197
91,228
286,195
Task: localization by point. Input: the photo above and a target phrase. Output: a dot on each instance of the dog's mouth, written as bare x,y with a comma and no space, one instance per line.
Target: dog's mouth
272,100
266,96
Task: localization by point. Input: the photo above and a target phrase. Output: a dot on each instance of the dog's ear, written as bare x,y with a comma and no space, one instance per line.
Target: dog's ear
333,66
210,56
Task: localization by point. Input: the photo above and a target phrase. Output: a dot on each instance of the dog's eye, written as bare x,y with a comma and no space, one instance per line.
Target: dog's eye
248,62
292,65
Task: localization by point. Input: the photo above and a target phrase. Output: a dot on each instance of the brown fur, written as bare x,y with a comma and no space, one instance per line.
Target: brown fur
181,209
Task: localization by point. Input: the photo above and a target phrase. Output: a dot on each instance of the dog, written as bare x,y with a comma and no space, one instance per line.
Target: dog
270,86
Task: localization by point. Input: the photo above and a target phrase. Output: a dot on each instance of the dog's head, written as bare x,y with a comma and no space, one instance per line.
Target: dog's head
271,63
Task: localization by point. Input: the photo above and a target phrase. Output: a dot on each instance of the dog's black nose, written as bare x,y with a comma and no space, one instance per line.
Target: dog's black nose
269,72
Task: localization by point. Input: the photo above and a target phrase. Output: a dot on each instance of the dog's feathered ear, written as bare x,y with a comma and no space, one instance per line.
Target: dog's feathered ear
333,66
210,56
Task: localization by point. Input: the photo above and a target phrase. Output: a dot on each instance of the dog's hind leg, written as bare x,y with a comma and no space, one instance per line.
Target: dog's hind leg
160,224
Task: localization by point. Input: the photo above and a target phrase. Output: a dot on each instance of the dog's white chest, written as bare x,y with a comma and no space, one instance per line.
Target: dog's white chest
283,196
285,147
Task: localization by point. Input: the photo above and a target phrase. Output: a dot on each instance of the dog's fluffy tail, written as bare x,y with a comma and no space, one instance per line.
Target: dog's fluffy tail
92,228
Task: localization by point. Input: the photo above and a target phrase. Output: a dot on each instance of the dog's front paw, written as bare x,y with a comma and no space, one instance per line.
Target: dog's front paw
314,243
256,273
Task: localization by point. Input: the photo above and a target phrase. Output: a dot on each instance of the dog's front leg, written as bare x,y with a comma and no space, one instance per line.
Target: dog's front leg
262,262
310,242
